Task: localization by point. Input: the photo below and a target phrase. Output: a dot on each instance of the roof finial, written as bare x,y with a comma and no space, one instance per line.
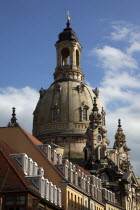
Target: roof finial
13,122
68,19
119,123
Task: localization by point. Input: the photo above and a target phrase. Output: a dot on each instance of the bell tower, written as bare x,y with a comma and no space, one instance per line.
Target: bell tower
68,53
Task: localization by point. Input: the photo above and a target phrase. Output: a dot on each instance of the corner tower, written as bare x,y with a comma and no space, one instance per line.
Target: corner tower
62,113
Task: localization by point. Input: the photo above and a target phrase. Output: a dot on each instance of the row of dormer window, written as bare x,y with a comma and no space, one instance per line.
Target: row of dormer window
89,183
35,176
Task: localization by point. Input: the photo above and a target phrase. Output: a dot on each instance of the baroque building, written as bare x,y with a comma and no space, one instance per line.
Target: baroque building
62,113
69,114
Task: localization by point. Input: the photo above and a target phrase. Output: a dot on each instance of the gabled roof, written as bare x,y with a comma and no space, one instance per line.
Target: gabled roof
11,176
17,134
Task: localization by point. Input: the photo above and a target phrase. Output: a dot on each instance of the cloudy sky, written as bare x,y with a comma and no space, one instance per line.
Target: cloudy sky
109,32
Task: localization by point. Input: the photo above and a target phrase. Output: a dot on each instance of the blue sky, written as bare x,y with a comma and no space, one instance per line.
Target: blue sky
29,29
109,32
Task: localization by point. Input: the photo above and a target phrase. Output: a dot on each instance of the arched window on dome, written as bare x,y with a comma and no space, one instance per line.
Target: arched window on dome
65,57
77,58
84,113
55,113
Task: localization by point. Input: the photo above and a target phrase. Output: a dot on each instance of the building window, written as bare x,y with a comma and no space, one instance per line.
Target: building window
72,199
15,201
55,113
68,198
78,205
84,113
86,204
75,201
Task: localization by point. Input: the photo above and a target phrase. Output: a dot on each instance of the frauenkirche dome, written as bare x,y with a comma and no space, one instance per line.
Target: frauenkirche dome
62,114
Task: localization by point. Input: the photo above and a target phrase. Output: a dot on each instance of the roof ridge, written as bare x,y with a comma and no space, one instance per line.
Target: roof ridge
28,135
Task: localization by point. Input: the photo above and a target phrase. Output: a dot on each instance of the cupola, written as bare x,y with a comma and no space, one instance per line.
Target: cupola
68,51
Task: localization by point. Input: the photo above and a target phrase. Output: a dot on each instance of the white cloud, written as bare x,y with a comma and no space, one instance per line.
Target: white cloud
134,47
123,80
120,86
24,100
114,59
123,31
120,33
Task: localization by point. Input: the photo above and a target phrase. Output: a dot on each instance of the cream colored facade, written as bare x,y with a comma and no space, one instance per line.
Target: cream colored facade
111,207
99,207
74,199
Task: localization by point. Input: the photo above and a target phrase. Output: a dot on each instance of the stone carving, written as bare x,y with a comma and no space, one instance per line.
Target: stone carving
96,92
42,92
13,122
80,88
95,118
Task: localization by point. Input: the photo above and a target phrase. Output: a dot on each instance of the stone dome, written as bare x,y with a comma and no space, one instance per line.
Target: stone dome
62,113
70,98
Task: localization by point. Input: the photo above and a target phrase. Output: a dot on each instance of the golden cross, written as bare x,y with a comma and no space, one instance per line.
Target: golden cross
68,17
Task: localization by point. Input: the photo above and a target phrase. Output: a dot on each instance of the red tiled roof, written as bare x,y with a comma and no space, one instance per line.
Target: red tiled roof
11,175
33,139
83,170
37,142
